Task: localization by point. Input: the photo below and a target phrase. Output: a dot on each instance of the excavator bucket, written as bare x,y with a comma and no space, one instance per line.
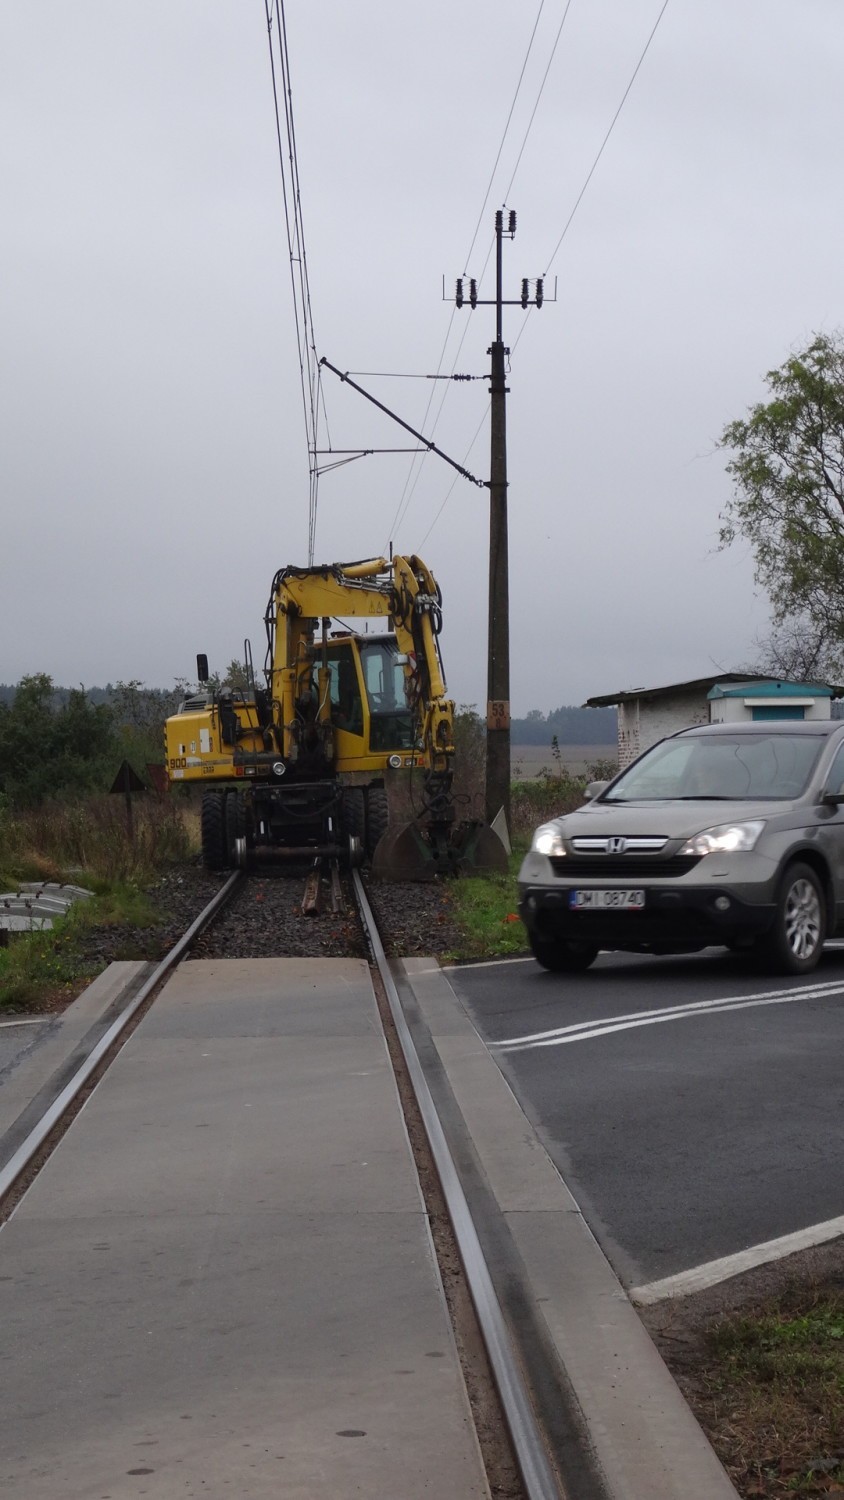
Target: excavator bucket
412,851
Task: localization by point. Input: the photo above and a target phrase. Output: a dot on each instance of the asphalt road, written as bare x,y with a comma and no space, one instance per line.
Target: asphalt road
18,1034
684,1134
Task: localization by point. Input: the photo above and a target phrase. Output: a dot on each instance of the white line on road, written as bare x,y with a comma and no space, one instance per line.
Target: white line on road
488,963
37,1021
582,1031
714,1271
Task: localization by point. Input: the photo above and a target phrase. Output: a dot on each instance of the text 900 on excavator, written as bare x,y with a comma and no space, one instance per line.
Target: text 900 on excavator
299,767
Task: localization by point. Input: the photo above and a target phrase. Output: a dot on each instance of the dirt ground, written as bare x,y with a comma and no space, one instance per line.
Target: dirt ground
760,1359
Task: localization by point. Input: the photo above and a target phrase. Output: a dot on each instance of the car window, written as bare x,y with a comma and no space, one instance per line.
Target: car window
723,767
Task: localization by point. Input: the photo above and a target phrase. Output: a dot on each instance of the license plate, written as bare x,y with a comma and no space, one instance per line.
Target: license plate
601,900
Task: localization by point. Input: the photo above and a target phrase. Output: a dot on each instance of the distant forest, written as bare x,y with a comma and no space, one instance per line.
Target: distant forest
571,726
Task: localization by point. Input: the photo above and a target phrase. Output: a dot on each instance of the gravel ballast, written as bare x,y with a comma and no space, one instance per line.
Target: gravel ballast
265,920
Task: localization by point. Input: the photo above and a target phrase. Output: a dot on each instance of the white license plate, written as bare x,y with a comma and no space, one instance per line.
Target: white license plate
625,900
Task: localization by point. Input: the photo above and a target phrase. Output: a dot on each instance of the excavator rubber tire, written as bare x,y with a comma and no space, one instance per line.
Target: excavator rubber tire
353,815
235,826
377,817
213,827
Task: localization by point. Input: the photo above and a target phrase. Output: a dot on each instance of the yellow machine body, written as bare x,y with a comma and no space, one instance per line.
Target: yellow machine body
334,698
300,764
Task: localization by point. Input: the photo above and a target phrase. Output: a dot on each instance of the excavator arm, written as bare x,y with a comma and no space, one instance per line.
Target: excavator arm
403,590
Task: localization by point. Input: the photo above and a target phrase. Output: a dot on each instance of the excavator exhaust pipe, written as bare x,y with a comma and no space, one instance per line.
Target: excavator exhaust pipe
420,852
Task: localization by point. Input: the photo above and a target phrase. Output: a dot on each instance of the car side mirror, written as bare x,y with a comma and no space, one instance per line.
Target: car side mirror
832,799
594,789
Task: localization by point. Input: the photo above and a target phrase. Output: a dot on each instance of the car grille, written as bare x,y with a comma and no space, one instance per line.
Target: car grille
623,866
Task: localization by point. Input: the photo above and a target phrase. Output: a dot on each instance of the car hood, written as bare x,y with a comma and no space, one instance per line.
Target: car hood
669,820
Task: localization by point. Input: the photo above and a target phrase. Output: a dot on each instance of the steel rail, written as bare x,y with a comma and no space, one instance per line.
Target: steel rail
531,1456
29,1147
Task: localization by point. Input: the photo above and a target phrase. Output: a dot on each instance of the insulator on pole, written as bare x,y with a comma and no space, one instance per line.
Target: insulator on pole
459,293
512,229
540,290
524,292
499,220
473,293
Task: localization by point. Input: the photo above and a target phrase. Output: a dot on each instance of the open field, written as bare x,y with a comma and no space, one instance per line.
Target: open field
529,761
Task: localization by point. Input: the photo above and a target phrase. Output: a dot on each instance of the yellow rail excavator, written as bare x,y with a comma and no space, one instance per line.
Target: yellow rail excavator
300,766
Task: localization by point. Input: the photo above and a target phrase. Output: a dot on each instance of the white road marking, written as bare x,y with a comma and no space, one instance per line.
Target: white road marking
38,1021
486,963
582,1031
714,1271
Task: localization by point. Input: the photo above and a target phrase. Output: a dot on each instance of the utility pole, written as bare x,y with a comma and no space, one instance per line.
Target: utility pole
498,641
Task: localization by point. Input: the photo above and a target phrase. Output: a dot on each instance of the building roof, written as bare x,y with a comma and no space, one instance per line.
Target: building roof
722,680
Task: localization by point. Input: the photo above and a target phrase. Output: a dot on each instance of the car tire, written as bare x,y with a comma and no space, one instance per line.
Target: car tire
562,957
795,942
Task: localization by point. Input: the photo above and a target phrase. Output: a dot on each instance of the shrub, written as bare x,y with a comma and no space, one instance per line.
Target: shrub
91,837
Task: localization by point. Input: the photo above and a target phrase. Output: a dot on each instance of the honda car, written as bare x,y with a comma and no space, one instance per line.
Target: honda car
722,834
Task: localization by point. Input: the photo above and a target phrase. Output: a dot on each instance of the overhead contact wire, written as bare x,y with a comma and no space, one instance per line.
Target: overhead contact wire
309,374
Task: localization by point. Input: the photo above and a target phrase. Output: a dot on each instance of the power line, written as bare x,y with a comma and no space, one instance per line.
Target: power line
590,174
603,144
504,135
309,371
536,104
415,469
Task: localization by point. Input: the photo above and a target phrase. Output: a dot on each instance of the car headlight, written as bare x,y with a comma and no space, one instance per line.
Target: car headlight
548,840
727,838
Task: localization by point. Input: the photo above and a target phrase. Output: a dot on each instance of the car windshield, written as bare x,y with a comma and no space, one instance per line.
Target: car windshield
720,768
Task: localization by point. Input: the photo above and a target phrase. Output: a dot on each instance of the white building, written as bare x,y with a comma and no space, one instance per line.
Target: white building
646,715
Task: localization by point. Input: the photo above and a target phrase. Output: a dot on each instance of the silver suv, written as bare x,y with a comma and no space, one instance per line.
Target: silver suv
728,834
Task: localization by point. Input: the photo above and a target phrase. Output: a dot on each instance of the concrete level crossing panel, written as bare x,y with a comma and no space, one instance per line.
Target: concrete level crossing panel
222,1283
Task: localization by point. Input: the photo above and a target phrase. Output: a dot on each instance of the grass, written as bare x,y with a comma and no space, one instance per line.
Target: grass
85,843
43,970
765,1377
768,1386
485,908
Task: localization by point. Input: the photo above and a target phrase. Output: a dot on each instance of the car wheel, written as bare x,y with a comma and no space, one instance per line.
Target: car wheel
562,957
796,939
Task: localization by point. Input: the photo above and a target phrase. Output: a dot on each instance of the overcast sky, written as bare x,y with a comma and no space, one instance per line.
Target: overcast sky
155,467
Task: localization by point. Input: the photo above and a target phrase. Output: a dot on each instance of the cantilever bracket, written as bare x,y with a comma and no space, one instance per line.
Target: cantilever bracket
432,447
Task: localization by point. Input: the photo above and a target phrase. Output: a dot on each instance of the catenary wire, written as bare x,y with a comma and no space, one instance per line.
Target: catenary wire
314,371
309,371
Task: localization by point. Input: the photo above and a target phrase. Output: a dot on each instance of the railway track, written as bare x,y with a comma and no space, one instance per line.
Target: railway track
458,1242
